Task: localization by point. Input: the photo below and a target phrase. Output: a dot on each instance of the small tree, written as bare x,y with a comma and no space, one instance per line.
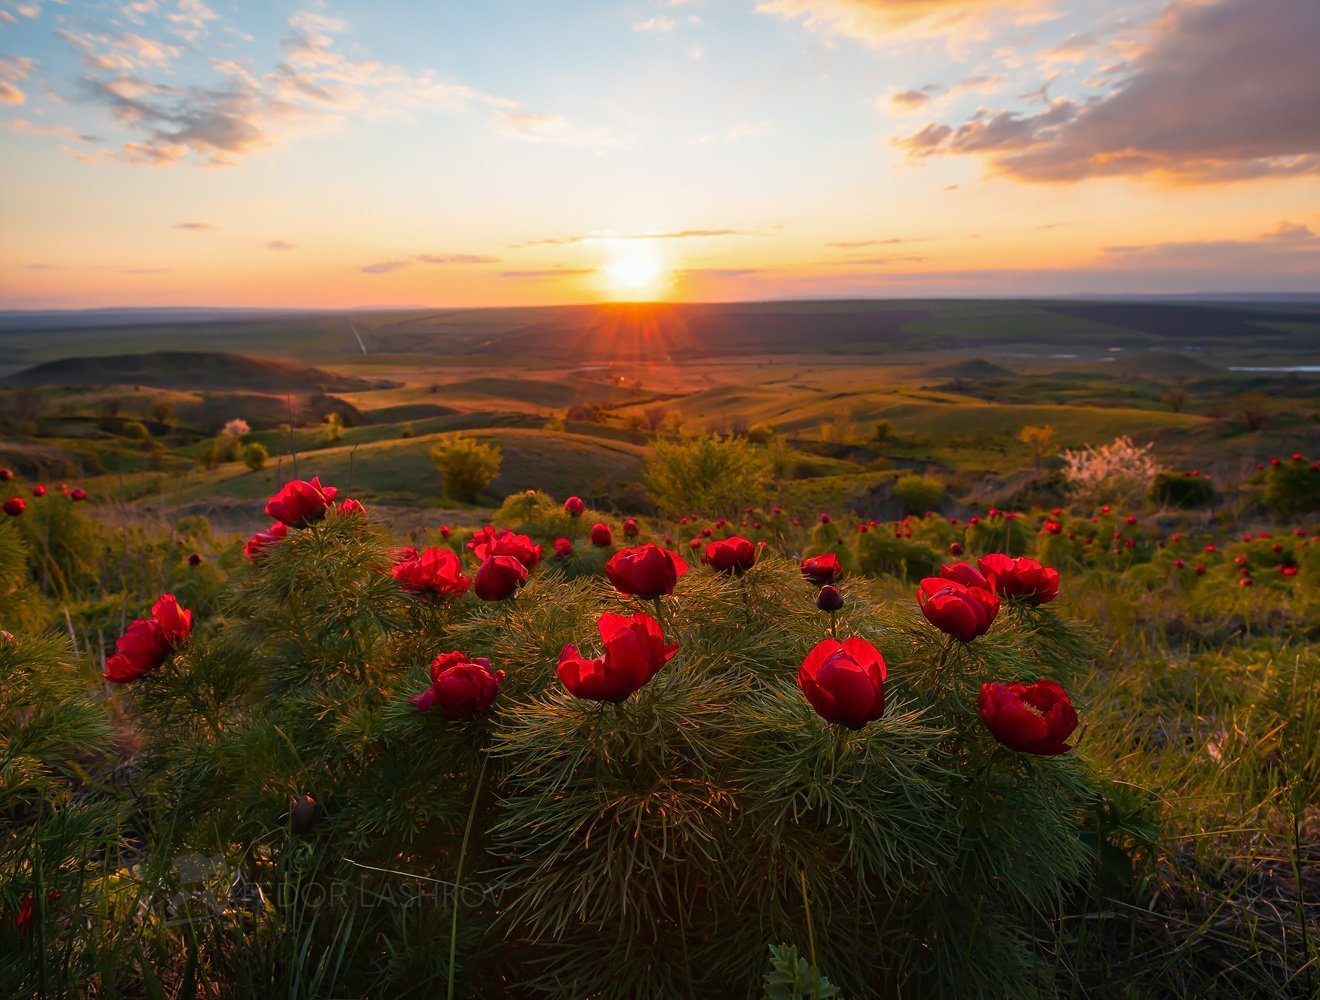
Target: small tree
1252,407
334,427
255,456
881,430
655,417
705,474
1038,440
1176,398
467,465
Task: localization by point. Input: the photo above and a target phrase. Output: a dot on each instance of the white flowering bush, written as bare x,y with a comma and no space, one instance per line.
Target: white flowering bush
1116,471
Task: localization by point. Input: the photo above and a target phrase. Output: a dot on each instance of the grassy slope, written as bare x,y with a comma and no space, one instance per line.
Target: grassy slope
401,471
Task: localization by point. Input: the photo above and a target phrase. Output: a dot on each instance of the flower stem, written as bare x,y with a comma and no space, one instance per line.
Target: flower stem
458,875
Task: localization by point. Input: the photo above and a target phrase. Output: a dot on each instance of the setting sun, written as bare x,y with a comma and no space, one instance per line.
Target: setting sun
635,273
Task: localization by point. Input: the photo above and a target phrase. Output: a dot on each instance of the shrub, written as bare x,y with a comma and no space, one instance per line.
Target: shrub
1176,489
467,465
705,474
1115,472
648,848
255,456
918,494
1292,487
135,430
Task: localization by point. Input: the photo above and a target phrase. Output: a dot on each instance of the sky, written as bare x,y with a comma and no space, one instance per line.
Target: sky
358,153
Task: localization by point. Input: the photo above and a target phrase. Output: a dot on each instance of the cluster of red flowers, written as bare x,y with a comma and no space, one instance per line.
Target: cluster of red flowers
298,504
148,642
15,506
845,681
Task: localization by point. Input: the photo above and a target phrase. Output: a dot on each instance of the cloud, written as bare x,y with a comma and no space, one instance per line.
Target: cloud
235,110
910,100
455,258
1221,93
429,258
13,71
877,22
195,226
23,126
656,25
1289,231
280,246
890,241
549,272
555,129
679,234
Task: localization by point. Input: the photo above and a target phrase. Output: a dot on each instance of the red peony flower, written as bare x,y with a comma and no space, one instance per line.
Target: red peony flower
630,528
6,475
733,555
635,651
600,535
462,686
195,559
563,548
1030,718
646,571
350,507
488,542
499,577
301,502
1020,577
966,574
845,682
829,598
14,506
436,573
175,621
262,539
574,507
820,570
955,549
78,494
39,490
147,642
956,609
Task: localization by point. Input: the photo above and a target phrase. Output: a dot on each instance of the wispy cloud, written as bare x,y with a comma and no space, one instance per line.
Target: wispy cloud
656,25
241,110
386,267
280,246
877,22
548,272
889,241
679,234
553,128
194,226
13,71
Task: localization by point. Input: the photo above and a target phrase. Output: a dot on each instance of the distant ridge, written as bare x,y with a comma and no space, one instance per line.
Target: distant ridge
1164,364
969,368
198,370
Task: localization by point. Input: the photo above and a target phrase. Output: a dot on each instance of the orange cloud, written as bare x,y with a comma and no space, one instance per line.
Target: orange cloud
1225,91
876,22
